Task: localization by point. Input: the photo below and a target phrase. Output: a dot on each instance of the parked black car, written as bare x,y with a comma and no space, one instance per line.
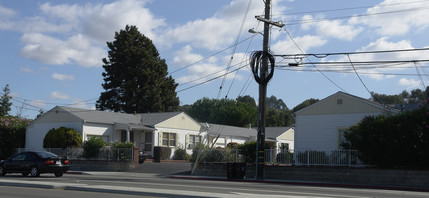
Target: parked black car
34,163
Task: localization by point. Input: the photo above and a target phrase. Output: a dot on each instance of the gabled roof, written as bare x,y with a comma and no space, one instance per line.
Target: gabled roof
94,116
274,132
152,119
329,105
229,131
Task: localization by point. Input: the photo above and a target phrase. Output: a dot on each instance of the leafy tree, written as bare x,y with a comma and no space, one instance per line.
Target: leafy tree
247,99
396,141
224,111
5,104
12,134
305,104
273,102
135,77
274,117
62,138
389,99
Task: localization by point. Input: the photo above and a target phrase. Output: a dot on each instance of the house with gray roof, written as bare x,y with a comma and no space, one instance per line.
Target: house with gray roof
276,137
172,129
321,126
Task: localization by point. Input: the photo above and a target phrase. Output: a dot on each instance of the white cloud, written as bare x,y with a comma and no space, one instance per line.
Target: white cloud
59,95
205,69
410,83
27,70
305,43
332,28
5,18
221,29
403,17
55,51
62,77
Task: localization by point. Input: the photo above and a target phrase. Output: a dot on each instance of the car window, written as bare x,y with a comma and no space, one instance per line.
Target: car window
20,156
31,156
46,154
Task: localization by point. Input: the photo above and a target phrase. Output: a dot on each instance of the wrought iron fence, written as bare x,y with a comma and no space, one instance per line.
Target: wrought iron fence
287,157
105,153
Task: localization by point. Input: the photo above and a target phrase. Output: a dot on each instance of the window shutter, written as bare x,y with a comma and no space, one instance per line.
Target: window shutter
177,140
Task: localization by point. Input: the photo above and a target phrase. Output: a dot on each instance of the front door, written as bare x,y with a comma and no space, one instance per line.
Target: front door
148,142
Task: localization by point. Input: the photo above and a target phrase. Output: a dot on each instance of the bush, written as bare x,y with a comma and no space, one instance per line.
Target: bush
161,153
195,152
122,150
91,148
180,154
62,138
248,150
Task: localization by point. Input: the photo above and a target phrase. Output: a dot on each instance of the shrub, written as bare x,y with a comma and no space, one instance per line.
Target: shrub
161,153
62,138
248,150
91,147
122,150
180,154
195,152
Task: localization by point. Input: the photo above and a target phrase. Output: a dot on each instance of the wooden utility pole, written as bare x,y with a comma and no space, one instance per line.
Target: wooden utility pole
264,77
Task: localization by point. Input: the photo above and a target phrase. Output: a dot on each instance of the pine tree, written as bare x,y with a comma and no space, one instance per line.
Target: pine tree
135,77
5,103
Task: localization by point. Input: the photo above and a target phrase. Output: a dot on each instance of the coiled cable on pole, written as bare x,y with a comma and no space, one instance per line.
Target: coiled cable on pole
256,64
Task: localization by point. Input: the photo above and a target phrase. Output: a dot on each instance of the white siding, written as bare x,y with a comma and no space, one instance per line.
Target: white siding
36,132
92,129
320,132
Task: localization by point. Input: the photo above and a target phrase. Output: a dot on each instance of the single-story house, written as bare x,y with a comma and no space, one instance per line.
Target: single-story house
276,137
320,127
172,129
280,137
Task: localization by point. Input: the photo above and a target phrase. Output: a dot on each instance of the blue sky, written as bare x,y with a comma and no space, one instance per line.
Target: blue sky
51,50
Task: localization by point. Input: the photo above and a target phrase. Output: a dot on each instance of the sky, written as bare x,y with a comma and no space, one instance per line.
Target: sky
51,51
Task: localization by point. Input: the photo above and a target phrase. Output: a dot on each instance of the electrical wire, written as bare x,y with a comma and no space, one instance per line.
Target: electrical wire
293,40
357,74
233,51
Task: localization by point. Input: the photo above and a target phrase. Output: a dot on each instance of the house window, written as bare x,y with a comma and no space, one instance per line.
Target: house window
339,101
194,140
168,139
284,146
124,136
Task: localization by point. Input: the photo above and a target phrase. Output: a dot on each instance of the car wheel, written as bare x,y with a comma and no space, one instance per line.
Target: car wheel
58,174
25,174
34,172
2,171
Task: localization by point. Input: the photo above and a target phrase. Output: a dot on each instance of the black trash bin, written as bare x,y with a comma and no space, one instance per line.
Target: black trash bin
230,170
240,170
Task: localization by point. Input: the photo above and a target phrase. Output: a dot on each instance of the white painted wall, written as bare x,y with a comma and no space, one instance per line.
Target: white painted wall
320,132
103,130
36,132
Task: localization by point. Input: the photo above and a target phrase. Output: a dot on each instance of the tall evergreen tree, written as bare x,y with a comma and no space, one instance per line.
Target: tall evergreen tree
5,104
135,77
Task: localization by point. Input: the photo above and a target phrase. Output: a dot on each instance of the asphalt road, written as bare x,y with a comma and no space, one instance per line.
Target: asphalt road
120,184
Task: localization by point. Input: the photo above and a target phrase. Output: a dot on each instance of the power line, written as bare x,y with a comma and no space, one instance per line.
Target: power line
344,9
298,22
290,36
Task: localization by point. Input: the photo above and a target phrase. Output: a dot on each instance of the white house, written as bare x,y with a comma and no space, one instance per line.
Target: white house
174,129
276,137
280,137
221,135
320,127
